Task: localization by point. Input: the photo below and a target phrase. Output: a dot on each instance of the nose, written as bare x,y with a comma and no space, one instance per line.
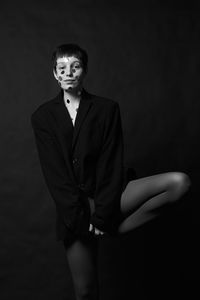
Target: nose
69,71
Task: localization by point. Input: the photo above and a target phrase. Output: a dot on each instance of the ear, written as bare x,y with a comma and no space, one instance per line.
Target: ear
55,75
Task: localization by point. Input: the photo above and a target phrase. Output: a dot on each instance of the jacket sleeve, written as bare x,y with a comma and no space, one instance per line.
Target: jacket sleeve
109,173
60,185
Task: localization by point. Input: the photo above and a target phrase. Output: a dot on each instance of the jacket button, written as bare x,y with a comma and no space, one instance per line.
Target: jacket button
81,186
74,160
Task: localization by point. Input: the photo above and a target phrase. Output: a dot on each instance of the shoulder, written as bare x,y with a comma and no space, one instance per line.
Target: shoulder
107,110
43,109
104,103
103,100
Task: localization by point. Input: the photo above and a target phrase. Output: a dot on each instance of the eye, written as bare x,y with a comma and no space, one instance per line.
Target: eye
60,68
77,66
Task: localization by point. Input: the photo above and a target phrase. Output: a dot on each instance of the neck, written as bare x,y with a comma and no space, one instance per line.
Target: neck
73,96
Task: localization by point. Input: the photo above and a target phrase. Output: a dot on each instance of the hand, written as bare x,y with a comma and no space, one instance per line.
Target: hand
95,230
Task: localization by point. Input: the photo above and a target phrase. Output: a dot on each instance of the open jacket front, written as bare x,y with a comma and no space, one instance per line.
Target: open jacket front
81,161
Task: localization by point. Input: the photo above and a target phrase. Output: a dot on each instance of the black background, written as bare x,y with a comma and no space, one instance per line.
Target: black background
146,57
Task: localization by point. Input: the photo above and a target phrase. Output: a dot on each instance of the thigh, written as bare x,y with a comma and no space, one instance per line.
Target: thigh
82,260
137,192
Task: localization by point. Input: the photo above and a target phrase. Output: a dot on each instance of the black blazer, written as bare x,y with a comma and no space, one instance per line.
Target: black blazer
81,161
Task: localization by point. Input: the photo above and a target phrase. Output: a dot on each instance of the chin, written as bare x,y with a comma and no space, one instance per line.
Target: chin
71,88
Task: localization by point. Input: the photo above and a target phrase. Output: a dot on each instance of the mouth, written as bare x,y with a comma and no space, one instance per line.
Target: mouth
69,81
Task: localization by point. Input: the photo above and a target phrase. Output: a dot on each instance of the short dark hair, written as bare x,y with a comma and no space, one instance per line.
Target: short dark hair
70,50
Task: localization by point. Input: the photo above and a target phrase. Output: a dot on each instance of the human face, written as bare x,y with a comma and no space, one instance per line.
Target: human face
69,73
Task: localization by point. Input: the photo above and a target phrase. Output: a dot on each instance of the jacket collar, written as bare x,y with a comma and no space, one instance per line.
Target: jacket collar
84,96
70,130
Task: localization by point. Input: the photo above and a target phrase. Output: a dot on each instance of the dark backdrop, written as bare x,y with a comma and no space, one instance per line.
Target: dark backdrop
147,59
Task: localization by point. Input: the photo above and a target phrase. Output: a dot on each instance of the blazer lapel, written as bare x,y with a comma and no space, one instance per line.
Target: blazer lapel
69,131
64,121
84,107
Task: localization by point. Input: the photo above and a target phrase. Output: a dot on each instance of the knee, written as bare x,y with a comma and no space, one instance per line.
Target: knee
180,182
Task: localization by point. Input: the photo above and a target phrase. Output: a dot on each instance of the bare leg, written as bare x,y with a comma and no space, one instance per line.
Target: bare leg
142,198
82,259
